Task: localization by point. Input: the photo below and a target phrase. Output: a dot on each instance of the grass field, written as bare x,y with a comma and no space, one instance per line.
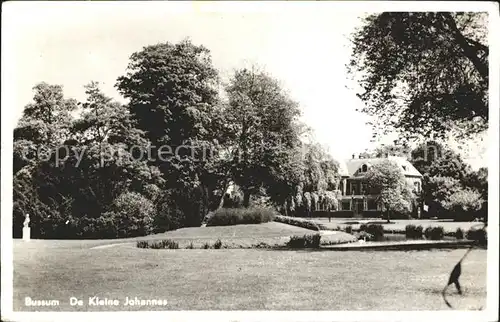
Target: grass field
233,279
237,236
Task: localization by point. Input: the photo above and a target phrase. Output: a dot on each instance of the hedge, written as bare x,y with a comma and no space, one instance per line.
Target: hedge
306,241
239,216
300,222
371,214
434,233
333,214
478,235
376,230
414,232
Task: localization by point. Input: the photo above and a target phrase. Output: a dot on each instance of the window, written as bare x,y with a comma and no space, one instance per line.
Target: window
404,167
364,168
372,204
364,188
417,186
431,154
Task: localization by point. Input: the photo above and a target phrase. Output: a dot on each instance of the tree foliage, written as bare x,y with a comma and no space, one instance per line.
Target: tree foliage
105,173
173,93
264,135
464,200
423,72
386,179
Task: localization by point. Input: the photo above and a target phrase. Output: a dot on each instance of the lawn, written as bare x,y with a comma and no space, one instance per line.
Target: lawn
237,236
236,279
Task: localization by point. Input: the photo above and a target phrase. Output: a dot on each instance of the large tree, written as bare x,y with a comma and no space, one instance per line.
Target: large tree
173,93
44,125
319,185
264,132
387,181
423,72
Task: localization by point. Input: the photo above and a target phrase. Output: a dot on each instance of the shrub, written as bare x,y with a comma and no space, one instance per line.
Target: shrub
261,245
395,215
132,215
218,244
300,222
434,233
412,231
190,246
162,244
142,244
371,214
376,230
478,235
459,233
333,214
238,216
306,241
365,236
205,246
100,227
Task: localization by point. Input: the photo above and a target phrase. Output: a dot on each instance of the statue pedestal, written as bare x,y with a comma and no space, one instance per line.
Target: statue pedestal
26,233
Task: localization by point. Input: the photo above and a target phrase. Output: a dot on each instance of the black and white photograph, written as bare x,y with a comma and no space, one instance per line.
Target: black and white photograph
288,160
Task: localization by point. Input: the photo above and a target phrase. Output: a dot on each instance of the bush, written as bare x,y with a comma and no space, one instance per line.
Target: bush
412,231
333,214
371,214
365,236
306,241
239,216
396,215
376,230
218,244
459,233
132,215
100,227
300,222
190,246
162,244
142,244
206,246
434,233
478,235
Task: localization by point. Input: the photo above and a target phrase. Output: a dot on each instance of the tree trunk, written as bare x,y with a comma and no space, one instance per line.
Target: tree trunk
246,198
221,201
388,216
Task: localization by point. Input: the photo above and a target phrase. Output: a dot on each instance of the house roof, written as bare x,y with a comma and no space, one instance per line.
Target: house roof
351,166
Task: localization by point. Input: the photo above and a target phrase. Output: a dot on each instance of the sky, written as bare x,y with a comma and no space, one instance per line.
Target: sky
304,47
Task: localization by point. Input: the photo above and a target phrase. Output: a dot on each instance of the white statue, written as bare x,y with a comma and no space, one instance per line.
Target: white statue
26,221
26,228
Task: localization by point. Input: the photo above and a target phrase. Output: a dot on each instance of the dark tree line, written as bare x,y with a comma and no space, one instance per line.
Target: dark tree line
78,169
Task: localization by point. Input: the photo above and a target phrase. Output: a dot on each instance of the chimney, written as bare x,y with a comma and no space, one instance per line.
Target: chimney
354,156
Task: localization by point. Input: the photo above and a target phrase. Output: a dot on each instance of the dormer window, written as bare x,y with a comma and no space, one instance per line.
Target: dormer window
404,168
364,168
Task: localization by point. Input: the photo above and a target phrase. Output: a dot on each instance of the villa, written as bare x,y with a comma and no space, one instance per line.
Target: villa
354,188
